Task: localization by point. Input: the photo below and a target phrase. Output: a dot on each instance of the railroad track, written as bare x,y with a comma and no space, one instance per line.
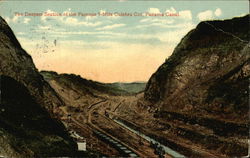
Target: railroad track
123,150
166,149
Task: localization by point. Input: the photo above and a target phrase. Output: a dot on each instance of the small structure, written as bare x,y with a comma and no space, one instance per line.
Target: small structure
81,143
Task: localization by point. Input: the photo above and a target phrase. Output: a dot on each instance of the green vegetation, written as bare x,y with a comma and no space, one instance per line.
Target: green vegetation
134,87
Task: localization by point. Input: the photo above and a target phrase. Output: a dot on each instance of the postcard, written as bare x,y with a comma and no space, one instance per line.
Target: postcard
124,78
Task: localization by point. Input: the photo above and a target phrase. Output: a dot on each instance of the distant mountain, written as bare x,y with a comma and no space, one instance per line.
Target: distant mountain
133,87
26,127
93,87
205,82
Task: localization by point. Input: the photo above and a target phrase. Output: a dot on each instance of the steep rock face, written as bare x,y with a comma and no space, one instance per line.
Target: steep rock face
16,63
207,72
201,92
27,129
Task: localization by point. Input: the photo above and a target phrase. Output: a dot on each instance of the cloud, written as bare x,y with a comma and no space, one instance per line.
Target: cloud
162,25
7,19
15,18
206,15
217,12
146,20
174,37
90,17
209,14
171,10
168,37
76,22
102,11
54,32
26,20
243,14
44,27
44,18
21,33
48,28
186,14
171,37
109,27
156,20
154,10
12,20
166,23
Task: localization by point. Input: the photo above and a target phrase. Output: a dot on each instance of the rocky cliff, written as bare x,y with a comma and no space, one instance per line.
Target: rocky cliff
207,72
27,129
201,92
16,63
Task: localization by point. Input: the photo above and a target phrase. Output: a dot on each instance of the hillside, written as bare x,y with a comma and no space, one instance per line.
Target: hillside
93,87
27,129
208,66
201,91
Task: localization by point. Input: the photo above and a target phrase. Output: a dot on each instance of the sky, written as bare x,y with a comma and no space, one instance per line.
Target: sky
99,40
